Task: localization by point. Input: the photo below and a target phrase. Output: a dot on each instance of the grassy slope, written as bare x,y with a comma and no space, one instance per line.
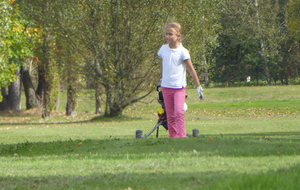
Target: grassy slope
249,139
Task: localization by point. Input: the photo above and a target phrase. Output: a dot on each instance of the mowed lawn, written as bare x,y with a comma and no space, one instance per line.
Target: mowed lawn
249,139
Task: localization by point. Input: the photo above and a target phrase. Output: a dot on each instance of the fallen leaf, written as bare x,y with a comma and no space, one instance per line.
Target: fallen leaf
79,144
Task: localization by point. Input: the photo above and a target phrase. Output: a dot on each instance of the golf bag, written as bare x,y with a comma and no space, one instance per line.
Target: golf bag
161,113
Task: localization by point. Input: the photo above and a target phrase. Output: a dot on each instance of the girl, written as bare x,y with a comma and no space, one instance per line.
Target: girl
175,60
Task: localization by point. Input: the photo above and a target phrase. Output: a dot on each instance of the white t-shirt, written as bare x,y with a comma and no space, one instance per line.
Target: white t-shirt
173,66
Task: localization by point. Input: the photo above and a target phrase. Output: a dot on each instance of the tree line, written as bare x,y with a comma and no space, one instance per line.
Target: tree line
111,46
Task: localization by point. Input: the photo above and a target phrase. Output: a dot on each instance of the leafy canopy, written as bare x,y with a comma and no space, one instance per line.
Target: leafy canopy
14,42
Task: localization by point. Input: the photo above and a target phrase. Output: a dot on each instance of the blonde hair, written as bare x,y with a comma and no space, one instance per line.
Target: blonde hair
177,28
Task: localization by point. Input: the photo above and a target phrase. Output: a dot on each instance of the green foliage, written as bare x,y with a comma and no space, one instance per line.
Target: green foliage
254,41
201,23
14,41
109,37
114,43
294,18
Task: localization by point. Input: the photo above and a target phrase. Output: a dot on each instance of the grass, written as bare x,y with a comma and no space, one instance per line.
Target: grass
249,139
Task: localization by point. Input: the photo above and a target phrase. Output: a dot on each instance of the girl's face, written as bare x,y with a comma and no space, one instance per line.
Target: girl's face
172,37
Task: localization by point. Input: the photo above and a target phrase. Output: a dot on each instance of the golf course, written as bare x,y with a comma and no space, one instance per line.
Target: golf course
249,138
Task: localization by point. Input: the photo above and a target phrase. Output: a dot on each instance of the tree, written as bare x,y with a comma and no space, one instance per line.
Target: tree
71,67
111,35
294,26
14,40
236,43
39,13
201,22
294,18
275,39
32,100
256,38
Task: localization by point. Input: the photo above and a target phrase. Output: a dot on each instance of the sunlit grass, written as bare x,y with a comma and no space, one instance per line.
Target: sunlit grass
249,139
138,163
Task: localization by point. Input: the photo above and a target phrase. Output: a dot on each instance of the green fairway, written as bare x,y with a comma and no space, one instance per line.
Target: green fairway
249,139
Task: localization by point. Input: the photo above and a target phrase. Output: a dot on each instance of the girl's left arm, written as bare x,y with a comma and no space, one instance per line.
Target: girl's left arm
192,71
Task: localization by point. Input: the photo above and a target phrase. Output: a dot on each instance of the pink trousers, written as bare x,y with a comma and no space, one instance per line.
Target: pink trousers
174,100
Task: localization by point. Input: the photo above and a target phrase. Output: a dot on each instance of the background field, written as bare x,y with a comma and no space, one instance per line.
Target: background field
249,139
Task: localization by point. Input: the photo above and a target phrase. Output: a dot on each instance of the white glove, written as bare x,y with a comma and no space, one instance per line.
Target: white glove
200,92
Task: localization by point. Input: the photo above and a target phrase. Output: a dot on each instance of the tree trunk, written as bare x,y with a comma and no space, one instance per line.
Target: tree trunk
46,90
3,104
12,100
98,100
41,84
115,110
112,107
206,79
71,100
46,102
31,98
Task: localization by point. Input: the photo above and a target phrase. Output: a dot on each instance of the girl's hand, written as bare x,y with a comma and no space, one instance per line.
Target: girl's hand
200,92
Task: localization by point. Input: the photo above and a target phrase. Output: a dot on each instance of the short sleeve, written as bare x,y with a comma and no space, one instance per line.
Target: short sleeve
185,54
159,53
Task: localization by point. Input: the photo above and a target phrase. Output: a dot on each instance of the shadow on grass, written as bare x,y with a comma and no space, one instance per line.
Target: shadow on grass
94,119
238,146
48,123
286,178
116,118
268,134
